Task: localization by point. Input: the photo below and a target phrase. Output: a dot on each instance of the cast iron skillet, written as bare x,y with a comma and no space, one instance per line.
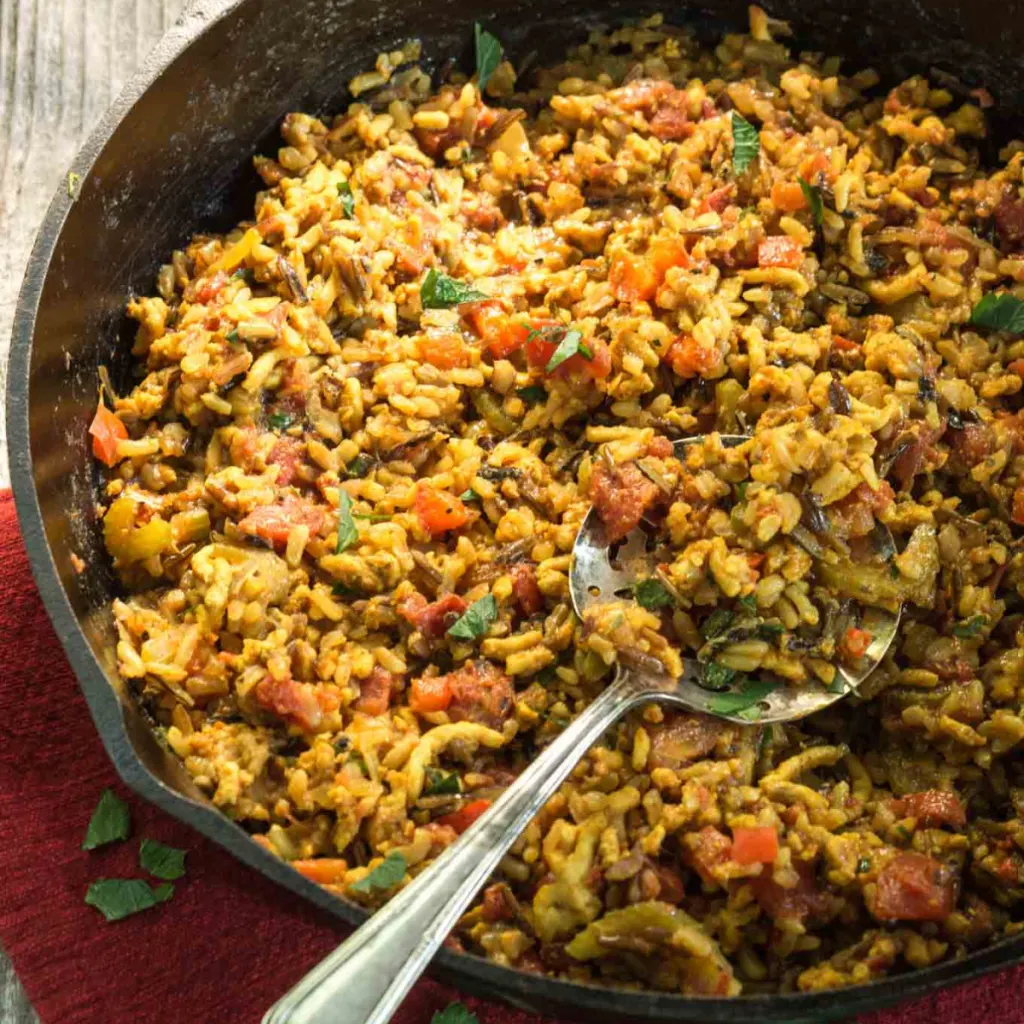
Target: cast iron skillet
173,155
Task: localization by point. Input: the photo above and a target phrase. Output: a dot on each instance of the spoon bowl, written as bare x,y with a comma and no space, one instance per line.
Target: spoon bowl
602,572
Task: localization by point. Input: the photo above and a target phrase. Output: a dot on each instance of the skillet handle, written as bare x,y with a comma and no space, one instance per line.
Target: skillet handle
365,980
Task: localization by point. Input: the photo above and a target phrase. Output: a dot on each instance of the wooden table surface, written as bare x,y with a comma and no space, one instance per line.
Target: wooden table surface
61,63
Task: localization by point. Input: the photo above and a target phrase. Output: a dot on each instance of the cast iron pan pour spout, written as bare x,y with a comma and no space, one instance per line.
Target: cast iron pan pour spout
371,973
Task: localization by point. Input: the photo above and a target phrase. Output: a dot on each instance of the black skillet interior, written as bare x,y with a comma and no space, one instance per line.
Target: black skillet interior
172,157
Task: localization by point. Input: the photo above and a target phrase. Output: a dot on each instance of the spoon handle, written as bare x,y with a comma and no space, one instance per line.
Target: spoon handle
367,977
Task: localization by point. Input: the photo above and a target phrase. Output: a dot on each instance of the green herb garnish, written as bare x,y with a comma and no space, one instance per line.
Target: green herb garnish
971,628
359,466
384,876
1002,312
110,822
456,1013
246,274
743,702
348,532
770,630
488,55
476,619
232,335
717,677
813,196
652,595
166,862
341,590
116,898
348,201
469,495
749,602
439,291
441,783
534,394
746,142
570,345
863,865
280,420
717,623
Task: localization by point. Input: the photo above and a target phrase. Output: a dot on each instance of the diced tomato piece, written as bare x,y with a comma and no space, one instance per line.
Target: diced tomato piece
106,430
799,902
1018,505
525,590
274,522
295,702
689,358
632,279
621,496
855,642
816,167
439,511
323,870
207,291
660,448
539,350
445,351
844,344
683,738
705,850
855,514
494,327
666,253
430,693
287,455
481,693
1017,367
788,196
461,819
375,692
974,443
671,123
755,845
1009,218
436,618
932,807
779,251
498,903
914,887
1009,871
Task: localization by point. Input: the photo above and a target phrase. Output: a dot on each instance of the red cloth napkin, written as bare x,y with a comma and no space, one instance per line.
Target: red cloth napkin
229,943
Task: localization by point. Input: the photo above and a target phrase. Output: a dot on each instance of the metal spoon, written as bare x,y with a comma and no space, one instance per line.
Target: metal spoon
365,980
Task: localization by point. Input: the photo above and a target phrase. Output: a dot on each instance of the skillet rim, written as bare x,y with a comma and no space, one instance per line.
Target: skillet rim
536,993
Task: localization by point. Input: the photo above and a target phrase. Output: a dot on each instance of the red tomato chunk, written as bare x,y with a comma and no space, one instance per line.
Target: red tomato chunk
779,251
931,808
375,692
755,845
274,522
436,618
525,590
621,496
913,887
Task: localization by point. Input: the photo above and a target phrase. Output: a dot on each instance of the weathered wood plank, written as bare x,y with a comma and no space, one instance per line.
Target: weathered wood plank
61,63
